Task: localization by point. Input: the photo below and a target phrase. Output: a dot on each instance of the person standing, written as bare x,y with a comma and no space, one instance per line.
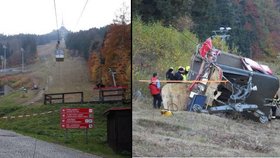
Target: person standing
187,69
169,74
274,108
154,87
179,73
155,80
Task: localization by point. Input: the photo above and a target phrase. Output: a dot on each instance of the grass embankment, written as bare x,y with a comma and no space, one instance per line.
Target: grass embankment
156,48
47,126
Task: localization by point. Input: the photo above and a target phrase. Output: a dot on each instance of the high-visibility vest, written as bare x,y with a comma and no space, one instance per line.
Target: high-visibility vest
184,77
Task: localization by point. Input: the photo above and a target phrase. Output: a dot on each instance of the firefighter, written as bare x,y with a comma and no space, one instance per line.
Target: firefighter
179,73
185,75
169,74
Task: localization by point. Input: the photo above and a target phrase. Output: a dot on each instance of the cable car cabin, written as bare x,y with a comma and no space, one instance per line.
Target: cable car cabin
59,55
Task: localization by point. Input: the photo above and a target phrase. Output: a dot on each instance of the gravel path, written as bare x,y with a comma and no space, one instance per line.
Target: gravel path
13,145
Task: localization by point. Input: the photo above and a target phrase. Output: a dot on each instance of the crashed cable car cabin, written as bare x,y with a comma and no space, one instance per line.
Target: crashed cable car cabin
249,84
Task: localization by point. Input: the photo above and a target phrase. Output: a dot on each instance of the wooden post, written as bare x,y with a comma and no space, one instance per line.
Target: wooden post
123,95
86,135
62,98
100,99
65,135
82,97
45,102
102,95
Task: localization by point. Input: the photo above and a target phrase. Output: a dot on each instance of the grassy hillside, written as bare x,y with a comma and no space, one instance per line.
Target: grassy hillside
156,48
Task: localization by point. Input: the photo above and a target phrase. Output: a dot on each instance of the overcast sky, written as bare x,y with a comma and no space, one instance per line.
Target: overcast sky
38,16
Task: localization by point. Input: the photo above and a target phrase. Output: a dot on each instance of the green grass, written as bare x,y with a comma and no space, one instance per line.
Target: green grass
8,100
47,127
156,48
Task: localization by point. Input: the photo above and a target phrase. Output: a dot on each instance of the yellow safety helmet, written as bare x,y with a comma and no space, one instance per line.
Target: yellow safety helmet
188,68
166,113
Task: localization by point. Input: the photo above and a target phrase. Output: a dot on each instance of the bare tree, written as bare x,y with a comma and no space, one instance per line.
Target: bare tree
123,15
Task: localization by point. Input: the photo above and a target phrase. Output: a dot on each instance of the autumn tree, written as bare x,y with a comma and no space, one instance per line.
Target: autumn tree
116,54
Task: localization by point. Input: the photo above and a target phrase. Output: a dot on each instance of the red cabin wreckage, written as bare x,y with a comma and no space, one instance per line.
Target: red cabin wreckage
245,86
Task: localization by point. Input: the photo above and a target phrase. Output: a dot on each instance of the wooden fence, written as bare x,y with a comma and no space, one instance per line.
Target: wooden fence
106,95
112,93
60,98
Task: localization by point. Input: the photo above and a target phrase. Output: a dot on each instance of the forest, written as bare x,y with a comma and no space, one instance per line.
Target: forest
254,24
11,47
86,41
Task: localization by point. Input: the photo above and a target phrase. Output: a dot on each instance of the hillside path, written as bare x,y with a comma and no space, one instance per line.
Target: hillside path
71,75
13,145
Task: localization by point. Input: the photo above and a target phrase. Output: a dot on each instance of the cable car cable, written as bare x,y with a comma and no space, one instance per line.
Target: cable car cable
56,18
59,54
81,13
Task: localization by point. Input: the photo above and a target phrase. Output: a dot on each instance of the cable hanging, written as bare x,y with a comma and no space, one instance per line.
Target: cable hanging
59,54
81,13
56,19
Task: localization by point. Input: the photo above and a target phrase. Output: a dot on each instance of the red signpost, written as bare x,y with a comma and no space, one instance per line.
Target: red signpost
76,118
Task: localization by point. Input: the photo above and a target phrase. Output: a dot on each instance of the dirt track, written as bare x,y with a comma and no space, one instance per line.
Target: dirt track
71,75
194,134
